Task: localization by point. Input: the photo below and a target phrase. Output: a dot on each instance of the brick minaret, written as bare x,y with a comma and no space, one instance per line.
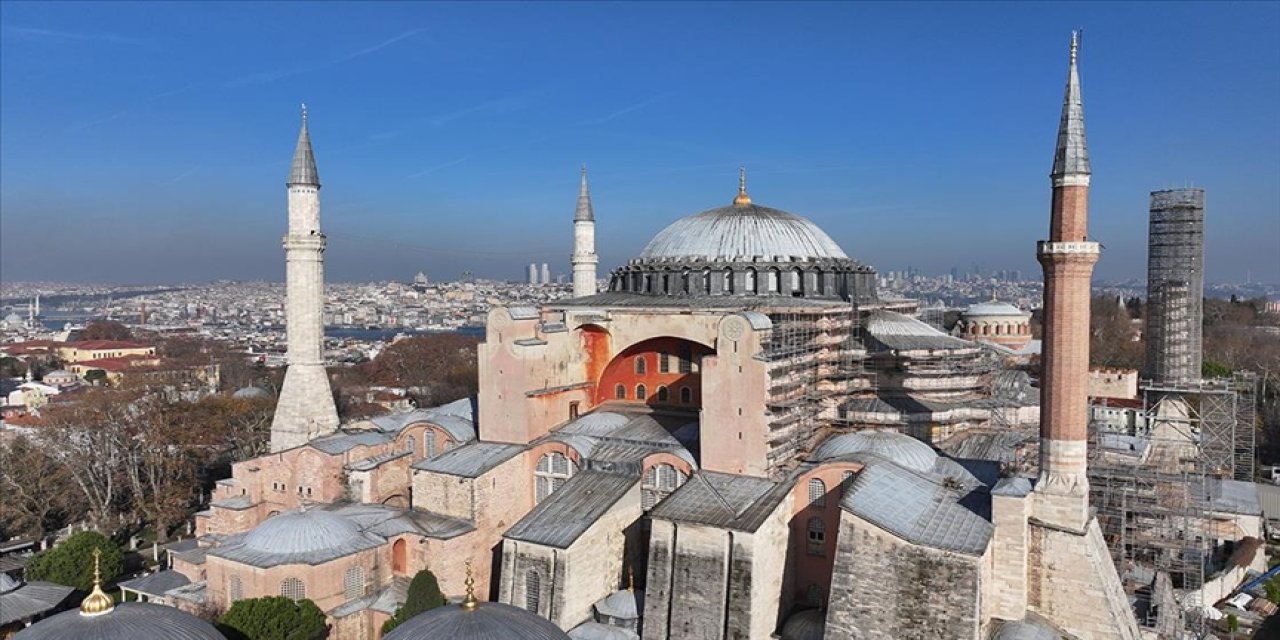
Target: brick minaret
305,409
584,256
1068,258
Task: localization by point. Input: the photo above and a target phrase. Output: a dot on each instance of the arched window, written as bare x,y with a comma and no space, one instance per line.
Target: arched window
664,362
797,282
431,442
648,283
410,444
532,590
666,283
750,285
817,537
686,395
235,590
728,280
641,366
817,493
554,469
293,589
641,392
620,392
686,359
353,583
706,281
400,556
684,281
658,483
663,395
774,280
819,287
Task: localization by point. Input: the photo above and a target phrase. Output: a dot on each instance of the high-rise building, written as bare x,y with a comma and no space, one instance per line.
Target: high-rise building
584,256
305,409
533,273
1175,286
546,273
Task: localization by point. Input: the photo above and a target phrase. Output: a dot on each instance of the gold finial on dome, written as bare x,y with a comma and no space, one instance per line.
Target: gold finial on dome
743,199
97,603
470,603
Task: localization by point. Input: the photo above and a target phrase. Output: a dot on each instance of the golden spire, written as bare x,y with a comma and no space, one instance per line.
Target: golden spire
743,199
470,603
97,603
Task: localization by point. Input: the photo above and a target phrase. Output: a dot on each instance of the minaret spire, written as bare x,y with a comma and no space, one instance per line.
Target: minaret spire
305,409
742,198
584,258
1071,157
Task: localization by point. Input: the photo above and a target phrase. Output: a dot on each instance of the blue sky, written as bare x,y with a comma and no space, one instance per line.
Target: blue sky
149,142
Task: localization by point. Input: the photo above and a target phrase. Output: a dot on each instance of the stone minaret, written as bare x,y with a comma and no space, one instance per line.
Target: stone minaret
584,256
1068,258
305,409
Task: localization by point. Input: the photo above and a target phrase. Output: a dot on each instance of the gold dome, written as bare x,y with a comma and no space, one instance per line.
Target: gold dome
97,602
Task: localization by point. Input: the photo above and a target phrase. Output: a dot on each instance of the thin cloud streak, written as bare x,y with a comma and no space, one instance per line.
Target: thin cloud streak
438,167
625,110
51,35
266,77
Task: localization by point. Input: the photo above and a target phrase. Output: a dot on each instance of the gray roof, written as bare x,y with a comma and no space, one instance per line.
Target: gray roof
1269,500
584,212
998,445
897,332
387,521
741,503
488,621
386,600
157,583
1016,487
810,624
311,537
1024,630
609,437
1071,156
900,448
919,509
236,503
344,441
455,418
30,600
742,233
626,604
1233,496
128,621
567,513
304,170
471,460
995,308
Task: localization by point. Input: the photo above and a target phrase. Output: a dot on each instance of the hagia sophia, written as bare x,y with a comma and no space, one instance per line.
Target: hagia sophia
739,439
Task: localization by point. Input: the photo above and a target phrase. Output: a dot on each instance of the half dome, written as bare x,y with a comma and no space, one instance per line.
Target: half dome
743,233
302,532
893,446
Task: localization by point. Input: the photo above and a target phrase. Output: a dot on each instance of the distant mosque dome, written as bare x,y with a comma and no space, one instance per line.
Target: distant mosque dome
303,531
809,624
995,322
745,249
994,308
483,621
126,621
902,449
251,393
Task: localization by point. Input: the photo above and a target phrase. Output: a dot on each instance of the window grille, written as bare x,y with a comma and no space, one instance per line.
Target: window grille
532,590
817,493
620,392
640,365
293,589
660,481
686,360
553,470
410,444
236,589
817,537
664,363
353,583
431,443
641,392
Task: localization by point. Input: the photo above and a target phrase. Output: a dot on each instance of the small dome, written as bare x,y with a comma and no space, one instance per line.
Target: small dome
487,621
1024,630
891,445
738,232
302,532
994,308
624,604
127,621
250,393
809,624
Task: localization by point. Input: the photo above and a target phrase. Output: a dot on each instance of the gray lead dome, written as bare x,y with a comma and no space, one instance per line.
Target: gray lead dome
739,232
127,621
487,621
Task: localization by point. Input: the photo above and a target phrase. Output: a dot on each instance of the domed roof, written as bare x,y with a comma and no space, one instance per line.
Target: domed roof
625,604
486,621
891,445
994,308
302,531
127,621
1024,630
809,624
742,231
249,393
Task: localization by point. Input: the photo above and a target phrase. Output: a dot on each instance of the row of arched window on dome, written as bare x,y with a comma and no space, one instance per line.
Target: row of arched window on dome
770,281
663,393
998,329
353,586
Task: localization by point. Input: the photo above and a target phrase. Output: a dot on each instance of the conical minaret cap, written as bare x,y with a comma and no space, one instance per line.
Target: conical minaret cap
1072,154
584,213
304,170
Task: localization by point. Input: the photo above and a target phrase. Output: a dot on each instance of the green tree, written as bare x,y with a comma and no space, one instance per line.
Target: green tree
273,618
106,330
94,376
70,562
1214,369
424,594
1272,587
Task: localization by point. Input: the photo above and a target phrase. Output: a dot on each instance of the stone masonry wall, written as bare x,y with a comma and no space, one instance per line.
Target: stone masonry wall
885,588
1073,583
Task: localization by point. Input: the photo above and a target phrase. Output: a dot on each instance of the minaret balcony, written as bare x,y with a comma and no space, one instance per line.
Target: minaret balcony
1049,248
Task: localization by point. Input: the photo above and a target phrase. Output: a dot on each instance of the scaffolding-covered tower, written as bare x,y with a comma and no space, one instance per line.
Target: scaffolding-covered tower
1175,286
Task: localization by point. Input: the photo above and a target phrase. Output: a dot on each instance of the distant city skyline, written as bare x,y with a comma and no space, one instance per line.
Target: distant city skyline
148,143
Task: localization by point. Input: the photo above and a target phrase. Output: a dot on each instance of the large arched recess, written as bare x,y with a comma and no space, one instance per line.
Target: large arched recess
681,376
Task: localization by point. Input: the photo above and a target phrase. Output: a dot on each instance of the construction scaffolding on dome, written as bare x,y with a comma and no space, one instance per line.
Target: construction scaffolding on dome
1167,490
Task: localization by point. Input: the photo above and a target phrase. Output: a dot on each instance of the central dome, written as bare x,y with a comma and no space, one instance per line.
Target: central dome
302,532
743,232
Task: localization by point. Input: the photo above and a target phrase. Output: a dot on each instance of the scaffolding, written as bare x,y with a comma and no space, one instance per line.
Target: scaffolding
1175,285
1152,484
